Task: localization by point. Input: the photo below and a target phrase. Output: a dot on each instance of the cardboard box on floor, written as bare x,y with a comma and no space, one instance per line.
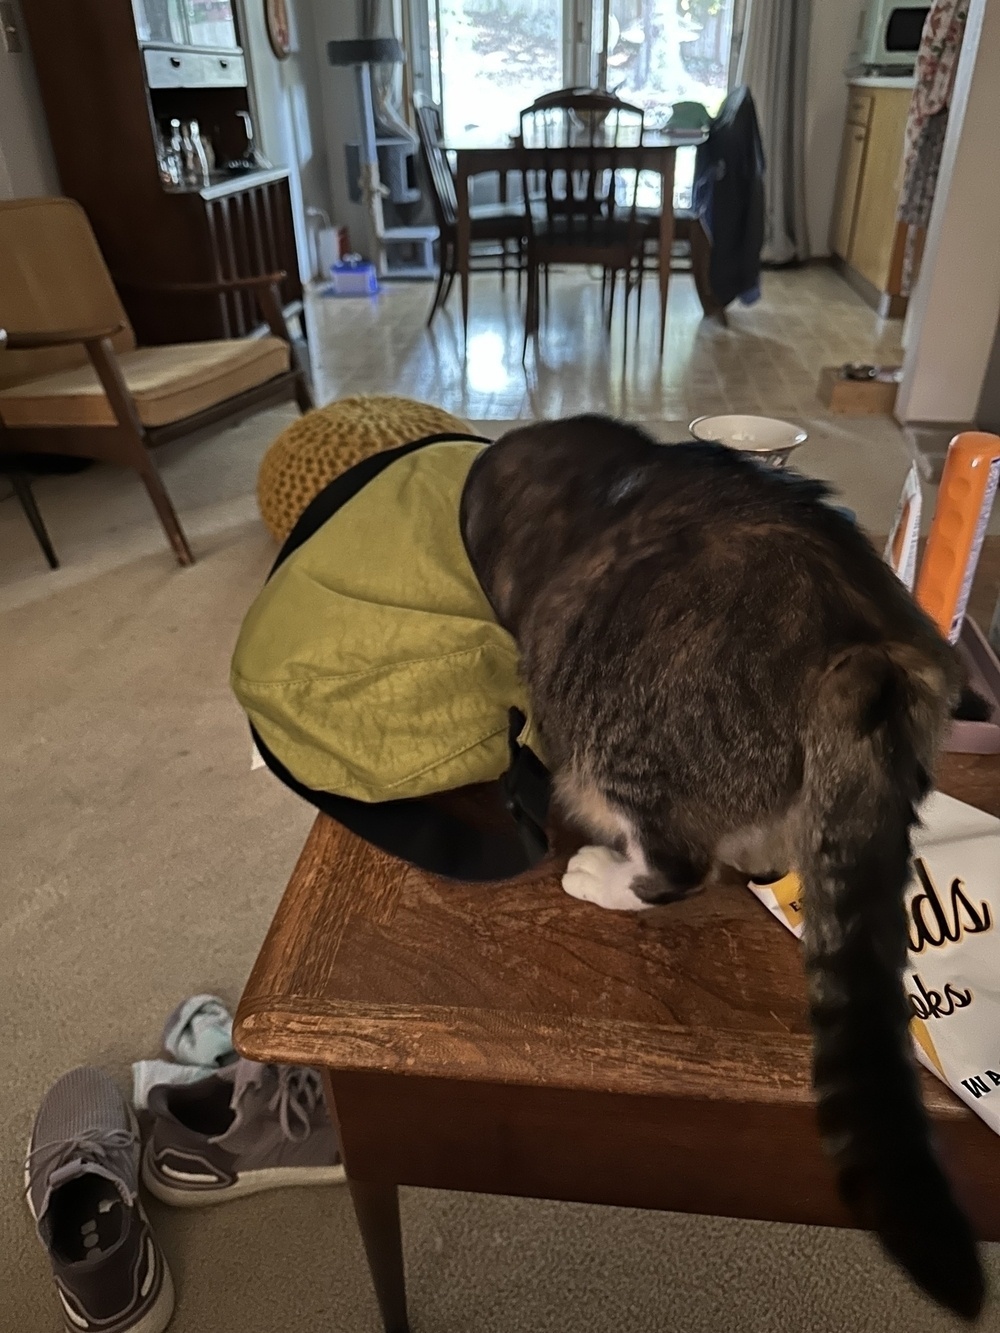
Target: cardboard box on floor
856,398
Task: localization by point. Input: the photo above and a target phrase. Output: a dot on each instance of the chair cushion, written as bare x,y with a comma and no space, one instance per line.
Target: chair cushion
168,384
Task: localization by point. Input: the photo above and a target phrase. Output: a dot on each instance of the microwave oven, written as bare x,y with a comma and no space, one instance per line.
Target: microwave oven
888,37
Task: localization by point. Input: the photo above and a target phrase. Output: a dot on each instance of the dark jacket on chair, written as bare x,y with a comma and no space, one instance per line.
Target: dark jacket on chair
729,198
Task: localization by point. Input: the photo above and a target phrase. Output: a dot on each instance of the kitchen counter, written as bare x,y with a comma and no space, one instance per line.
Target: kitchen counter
881,81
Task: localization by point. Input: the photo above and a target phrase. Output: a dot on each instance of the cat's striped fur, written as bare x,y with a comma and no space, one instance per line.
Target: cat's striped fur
721,667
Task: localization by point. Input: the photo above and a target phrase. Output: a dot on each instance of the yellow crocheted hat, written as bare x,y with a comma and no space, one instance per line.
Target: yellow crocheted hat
327,441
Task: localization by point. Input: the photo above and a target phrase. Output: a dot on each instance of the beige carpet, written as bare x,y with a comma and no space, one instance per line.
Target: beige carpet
141,860
102,519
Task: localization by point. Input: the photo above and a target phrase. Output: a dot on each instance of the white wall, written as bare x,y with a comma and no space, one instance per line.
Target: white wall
988,414
953,312
289,113
336,22
26,165
832,31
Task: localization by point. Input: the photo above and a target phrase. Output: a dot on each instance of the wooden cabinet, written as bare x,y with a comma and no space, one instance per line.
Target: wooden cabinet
186,22
852,160
112,77
865,236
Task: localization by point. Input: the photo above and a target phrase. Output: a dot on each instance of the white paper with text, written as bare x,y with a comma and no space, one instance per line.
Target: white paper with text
953,978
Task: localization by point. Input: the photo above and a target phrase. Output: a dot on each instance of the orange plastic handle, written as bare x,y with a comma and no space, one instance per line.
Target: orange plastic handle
965,499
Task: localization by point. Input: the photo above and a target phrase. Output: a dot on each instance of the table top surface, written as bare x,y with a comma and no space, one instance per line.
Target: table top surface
508,142
470,157
373,965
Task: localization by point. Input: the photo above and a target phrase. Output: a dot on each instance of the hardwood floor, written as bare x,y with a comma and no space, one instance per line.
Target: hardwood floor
768,359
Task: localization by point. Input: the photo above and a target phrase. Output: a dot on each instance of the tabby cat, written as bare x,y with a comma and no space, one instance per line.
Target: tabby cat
723,671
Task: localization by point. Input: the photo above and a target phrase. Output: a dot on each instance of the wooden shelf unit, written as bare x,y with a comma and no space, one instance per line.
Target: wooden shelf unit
95,79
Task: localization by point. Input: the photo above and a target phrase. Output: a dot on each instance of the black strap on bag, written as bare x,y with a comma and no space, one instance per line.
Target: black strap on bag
335,494
416,830
527,789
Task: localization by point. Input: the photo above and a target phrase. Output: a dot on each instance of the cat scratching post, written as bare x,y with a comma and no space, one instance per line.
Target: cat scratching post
362,54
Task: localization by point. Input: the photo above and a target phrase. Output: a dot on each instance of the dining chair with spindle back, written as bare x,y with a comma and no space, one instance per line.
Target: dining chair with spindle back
581,116
497,228
582,184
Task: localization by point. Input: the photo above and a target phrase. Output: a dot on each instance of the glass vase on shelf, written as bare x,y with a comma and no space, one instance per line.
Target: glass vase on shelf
196,172
168,164
170,156
209,150
184,155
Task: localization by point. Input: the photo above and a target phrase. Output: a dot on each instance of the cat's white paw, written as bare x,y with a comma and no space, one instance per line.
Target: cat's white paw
599,875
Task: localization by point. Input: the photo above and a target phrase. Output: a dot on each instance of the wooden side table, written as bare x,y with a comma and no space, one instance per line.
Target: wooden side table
511,1040
508,1039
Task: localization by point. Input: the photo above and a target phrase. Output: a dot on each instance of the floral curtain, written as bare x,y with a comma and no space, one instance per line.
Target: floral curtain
937,61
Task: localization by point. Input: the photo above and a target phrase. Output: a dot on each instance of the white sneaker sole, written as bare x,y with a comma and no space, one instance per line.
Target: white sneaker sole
158,1316
247,1182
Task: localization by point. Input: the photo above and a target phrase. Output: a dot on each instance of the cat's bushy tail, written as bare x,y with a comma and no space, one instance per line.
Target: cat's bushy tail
869,743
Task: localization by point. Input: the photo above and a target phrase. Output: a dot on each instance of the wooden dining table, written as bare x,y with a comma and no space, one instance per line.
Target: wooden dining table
656,154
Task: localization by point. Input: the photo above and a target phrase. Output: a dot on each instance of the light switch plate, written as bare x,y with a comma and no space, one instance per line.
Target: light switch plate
10,33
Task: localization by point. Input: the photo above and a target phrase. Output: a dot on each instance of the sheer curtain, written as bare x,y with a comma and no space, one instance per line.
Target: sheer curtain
773,60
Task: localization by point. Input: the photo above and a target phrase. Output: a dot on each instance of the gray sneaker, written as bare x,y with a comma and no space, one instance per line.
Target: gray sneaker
81,1181
248,1128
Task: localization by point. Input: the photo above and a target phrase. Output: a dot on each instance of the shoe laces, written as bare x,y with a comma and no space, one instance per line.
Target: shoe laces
109,1148
296,1095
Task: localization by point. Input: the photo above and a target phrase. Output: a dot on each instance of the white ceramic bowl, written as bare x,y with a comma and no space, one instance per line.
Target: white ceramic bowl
764,436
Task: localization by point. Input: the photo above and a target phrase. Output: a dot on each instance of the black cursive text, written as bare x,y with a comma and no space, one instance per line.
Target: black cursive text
932,923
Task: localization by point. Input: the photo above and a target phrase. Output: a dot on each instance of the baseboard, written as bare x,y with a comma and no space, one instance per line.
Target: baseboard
884,305
891,307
